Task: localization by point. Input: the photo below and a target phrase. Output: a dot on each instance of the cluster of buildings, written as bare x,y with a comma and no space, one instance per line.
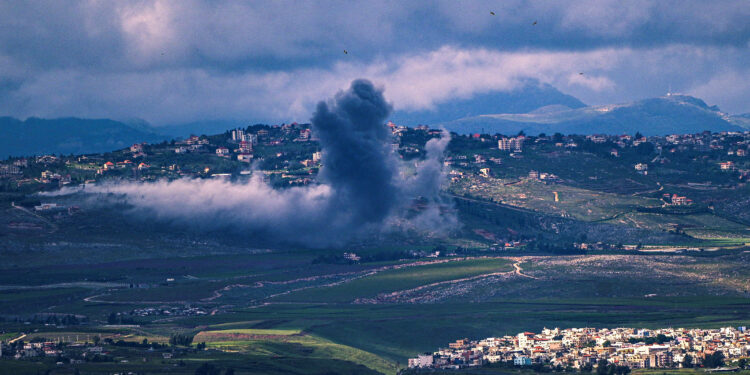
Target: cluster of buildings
32,349
583,347
734,143
676,200
244,142
193,144
511,144
544,177
10,170
169,311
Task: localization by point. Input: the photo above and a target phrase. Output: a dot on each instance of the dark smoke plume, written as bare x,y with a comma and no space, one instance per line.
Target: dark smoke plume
359,190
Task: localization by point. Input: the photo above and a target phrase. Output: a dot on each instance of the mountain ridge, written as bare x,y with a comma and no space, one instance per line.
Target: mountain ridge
69,135
653,116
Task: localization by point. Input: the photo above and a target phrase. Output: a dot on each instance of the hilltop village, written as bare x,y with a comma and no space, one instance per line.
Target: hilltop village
587,348
590,178
289,154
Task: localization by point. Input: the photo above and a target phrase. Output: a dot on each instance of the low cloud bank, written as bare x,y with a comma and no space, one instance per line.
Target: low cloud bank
360,188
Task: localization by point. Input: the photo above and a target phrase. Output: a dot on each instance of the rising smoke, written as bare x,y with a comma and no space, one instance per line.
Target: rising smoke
360,189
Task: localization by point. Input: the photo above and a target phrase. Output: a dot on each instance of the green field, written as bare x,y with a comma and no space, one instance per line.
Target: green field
399,279
290,343
317,326
188,364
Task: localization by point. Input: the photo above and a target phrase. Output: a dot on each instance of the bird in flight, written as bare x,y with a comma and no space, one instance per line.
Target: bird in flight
581,73
534,24
346,52
492,13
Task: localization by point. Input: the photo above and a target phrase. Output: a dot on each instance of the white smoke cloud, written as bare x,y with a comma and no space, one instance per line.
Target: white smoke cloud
360,188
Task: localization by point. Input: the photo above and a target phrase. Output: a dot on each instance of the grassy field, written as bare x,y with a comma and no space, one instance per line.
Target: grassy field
136,362
574,202
15,301
399,279
290,343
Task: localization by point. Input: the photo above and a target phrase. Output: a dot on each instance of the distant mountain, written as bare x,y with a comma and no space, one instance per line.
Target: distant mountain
36,136
656,116
524,99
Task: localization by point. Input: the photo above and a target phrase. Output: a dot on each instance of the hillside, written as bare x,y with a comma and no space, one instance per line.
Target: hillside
36,136
656,116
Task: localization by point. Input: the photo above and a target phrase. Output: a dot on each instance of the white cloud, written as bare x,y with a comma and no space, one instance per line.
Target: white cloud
171,61
411,82
726,87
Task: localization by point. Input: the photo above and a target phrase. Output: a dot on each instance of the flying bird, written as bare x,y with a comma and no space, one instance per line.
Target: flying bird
534,24
492,13
346,52
580,73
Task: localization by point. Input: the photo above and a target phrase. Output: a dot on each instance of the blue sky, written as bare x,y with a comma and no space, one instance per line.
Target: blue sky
178,61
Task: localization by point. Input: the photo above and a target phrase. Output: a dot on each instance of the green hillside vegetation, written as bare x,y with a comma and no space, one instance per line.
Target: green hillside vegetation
400,279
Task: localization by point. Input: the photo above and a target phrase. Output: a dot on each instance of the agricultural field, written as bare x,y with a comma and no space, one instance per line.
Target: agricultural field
274,309
401,279
573,202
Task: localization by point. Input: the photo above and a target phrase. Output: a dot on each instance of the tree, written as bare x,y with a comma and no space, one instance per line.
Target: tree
606,344
742,363
688,361
602,367
587,368
662,338
714,360
96,339
645,148
230,371
183,340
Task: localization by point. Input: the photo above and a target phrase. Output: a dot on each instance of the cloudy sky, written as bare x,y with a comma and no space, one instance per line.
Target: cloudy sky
186,60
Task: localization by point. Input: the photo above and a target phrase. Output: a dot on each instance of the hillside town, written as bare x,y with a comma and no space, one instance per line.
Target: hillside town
587,348
291,154
288,155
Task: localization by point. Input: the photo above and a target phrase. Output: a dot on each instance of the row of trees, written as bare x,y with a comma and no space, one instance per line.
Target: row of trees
180,339
117,318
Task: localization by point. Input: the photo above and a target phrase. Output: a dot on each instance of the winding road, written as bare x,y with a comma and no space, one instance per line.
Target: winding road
519,270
